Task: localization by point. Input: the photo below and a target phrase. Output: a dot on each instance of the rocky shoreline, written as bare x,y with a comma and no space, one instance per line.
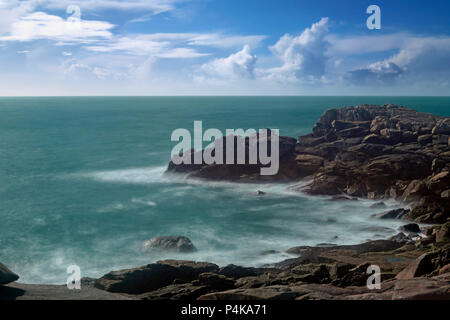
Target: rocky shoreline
375,152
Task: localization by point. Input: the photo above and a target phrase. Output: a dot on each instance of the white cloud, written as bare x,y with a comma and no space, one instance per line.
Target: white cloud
66,53
13,12
146,45
173,45
40,25
238,65
303,56
79,69
154,6
419,60
223,41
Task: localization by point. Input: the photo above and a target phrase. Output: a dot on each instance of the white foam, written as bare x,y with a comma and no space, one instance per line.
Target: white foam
146,175
144,202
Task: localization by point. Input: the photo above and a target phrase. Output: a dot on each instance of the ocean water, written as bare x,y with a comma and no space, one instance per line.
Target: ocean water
82,182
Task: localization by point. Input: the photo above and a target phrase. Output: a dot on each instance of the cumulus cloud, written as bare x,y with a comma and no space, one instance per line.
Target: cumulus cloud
418,60
303,56
40,25
238,65
384,72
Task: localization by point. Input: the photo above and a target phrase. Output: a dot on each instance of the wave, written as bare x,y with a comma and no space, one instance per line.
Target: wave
146,175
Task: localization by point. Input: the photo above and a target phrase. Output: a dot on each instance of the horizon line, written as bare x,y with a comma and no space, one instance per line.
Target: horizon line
224,96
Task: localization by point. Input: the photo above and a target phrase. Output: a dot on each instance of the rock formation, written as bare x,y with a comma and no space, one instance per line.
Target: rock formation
368,151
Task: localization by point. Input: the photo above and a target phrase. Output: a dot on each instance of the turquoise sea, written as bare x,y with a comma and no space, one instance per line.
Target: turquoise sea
81,182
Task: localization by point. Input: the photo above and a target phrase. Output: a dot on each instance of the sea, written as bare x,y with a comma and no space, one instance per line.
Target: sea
82,183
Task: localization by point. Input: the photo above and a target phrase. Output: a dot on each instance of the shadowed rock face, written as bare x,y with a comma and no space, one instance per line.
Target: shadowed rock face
365,151
6,275
152,276
410,270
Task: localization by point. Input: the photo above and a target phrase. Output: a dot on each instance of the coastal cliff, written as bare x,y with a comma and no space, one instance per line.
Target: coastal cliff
368,151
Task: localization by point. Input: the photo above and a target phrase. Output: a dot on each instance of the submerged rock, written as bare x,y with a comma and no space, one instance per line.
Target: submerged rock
378,205
6,275
170,243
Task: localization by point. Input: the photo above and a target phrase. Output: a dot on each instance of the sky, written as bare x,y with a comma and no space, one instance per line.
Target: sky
223,47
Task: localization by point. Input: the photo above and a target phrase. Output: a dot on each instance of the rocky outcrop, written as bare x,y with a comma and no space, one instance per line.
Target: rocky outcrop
367,151
6,275
171,243
410,269
153,276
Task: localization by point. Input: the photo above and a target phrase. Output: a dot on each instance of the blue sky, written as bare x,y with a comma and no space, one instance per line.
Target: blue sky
217,47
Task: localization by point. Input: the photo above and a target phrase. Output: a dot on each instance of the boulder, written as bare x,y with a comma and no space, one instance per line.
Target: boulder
410,227
152,276
169,243
428,263
6,275
401,238
356,276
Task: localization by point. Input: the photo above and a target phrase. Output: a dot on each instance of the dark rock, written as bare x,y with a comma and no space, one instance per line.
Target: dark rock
269,252
425,139
343,198
180,292
443,233
426,264
152,276
6,275
410,227
401,238
378,205
354,277
392,214
236,272
260,193
442,127
171,243
216,281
